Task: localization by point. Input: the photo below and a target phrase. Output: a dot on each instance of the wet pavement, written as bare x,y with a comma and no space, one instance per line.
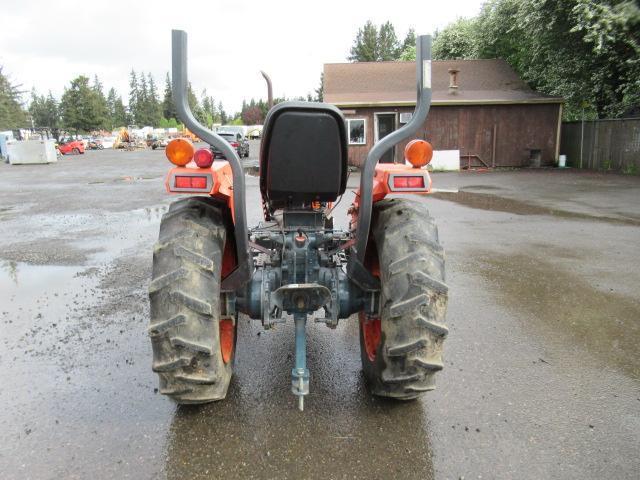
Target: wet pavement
542,367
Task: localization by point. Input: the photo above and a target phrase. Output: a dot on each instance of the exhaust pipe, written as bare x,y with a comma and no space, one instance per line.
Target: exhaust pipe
267,79
242,273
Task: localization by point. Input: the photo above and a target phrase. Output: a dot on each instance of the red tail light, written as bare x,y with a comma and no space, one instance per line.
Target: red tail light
203,158
234,144
191,183
415,182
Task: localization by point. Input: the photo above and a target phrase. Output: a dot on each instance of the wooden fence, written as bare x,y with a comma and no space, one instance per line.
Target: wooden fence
602,144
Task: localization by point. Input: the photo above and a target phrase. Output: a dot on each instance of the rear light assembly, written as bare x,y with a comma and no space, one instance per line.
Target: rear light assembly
408,183
191,182
235,144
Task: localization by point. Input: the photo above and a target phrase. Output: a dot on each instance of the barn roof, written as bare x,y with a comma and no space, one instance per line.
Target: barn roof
394,84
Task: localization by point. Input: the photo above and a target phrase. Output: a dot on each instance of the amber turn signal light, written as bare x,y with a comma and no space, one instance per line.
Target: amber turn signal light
179,151
418,153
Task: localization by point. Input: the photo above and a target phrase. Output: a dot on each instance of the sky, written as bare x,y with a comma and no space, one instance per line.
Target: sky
44,44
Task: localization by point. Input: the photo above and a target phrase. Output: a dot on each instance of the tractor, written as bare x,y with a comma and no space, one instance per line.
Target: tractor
387,269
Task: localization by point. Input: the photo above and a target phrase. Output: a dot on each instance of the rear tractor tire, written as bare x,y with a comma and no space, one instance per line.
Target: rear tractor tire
402,349
193,344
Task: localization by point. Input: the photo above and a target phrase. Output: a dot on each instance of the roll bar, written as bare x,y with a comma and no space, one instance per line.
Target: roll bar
423,102
180,83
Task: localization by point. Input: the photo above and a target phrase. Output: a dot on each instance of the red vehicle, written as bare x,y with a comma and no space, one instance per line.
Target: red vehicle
73,147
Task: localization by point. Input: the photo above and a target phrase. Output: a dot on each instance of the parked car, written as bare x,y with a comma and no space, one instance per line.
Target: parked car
95,144
159,143
73,147
237,141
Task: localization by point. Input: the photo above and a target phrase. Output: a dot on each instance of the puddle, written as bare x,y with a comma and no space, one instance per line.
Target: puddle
487,201
33,280
567,306
39,300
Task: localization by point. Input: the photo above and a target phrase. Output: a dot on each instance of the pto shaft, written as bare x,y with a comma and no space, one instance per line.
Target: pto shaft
300,374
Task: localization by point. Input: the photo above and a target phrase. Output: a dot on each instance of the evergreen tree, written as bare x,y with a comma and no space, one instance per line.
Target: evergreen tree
388,46
154,106
208,108
223,115
79,106
120,117
193,103
12,115
168,107
365,46
134,96
44,113
100,103
320,90
142,112
373,44
117,112
409,40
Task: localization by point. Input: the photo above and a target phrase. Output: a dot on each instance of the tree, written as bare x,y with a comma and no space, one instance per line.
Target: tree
409,40
408,54
373,44
117,112
388,45
223,115
79,106
154,108
12,115
457,41
611,30
252,116
320,90
168,107
44,113
208,109
365,46
134,96
192,100
142,110
168,123
99,103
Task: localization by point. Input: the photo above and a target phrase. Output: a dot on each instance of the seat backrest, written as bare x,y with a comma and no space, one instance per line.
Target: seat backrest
303,155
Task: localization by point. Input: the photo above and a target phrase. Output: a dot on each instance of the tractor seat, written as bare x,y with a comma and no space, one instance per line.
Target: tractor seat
303,155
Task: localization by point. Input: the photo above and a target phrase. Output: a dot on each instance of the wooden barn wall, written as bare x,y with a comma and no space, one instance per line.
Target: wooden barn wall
470,129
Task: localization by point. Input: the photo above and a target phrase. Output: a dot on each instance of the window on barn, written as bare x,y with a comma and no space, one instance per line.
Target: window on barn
355,128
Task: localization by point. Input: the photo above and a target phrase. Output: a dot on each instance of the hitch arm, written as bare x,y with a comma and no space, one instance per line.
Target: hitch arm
179,87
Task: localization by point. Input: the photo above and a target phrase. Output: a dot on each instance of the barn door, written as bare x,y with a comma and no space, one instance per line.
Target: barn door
385,123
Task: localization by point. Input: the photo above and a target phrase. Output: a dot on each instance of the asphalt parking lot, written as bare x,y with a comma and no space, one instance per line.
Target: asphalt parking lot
542,366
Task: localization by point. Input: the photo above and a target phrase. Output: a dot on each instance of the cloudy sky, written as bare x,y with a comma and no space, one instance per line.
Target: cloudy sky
44,44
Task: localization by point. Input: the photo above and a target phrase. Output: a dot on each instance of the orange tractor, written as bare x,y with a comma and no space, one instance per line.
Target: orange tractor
208,266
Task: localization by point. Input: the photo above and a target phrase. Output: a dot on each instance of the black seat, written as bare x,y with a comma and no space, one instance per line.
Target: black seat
303,156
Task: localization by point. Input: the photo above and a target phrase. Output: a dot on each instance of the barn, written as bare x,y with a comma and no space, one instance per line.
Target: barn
480,107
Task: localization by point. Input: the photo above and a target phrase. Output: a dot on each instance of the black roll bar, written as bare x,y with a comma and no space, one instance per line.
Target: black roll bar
180,82
423,103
